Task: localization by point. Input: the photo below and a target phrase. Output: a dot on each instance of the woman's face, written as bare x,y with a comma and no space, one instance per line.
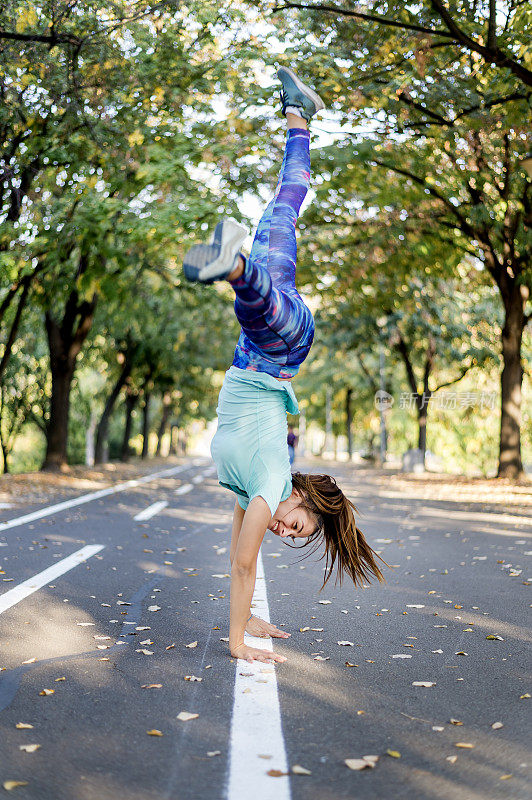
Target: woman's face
290,520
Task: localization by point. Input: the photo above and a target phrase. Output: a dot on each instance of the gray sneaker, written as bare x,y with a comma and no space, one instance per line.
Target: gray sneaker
215,261
297,94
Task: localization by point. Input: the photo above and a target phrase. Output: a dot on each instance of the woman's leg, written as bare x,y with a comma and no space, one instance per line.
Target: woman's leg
275,322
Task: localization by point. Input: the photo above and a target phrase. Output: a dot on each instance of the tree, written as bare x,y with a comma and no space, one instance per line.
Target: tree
437,109
98,157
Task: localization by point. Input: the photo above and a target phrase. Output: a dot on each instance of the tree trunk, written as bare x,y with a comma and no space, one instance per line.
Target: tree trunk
164,421
103,426
510,463
349,422
422,434
62,370
131,402
65,340
145,424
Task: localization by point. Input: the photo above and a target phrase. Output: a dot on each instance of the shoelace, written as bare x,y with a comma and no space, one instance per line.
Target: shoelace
285,102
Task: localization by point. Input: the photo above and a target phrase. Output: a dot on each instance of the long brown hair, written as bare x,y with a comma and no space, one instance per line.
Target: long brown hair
345,544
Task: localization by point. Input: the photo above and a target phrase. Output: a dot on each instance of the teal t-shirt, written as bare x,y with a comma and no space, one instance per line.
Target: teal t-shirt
249,447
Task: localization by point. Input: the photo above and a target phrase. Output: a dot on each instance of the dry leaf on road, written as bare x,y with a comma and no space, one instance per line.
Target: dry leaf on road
297,769
186,716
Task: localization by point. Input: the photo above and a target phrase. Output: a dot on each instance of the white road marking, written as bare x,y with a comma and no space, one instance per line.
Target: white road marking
185,489
197,479
18,593
256,724
150,511
87,498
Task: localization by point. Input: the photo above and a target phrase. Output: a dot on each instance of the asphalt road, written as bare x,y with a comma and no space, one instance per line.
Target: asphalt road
459,575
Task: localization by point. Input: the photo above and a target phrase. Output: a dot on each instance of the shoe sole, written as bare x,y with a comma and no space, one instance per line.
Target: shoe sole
210,262
306,90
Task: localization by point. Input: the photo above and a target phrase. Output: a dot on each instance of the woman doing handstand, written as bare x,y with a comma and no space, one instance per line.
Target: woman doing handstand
250,447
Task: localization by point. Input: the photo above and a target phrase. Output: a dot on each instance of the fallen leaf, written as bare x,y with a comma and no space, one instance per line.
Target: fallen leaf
29,748
346,644
325,602
30,660
47,691
455,721
414,606
464,745
297,769
152,686
452,759
192,678
460,653
505,777
349,664
393,753
154,732
497,725
359,763
525,696
191,645
424,683
61,679
185,716
492,637
23,725
402,655
276,773
146,652
9,785
212,753
154,608
321,658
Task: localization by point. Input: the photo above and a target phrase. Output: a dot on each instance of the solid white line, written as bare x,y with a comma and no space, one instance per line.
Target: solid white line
87,498
18,593
185,489
256,724
151,511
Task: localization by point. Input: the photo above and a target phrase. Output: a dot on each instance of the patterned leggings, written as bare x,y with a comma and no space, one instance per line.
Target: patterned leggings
277,327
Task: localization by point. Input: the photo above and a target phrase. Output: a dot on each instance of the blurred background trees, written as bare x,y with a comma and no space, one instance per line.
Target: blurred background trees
126,130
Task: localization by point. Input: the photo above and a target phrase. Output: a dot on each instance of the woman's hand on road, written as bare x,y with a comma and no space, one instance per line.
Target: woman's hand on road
251,654
258,627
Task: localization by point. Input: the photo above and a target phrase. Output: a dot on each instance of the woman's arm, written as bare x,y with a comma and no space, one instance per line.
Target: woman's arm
243,572
238,519
255,626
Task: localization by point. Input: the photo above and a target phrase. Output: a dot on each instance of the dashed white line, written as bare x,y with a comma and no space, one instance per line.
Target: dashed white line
256,724
87,498
185,489
197,479
150,511
18,593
